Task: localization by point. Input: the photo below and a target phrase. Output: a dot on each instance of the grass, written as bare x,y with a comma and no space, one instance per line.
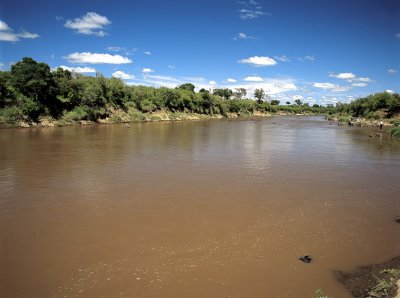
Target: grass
386,284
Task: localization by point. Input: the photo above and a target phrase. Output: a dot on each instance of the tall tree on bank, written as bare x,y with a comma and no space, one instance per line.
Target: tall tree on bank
259,94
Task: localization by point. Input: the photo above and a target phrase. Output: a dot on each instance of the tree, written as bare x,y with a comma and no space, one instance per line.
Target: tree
275,102
187,86
240,93
259,94
288,102
33,79
298,102
224,93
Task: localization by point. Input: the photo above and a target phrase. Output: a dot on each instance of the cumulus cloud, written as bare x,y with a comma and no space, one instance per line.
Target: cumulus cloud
122,75
344,76
331,87
212,83
95,58
389,91
259,61
79,69
392,71
89,24
147,53
8,34
230,80
147,70
253,79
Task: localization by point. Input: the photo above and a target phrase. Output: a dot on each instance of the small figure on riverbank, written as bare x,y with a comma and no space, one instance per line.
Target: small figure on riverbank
127,125
381,125
306,259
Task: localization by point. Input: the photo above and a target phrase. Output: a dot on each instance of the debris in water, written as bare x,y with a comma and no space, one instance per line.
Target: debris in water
305,259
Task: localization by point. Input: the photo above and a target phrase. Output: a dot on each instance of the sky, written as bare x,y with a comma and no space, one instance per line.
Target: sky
318,51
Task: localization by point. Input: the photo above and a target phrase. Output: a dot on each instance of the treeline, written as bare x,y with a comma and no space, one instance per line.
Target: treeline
31,91
375,106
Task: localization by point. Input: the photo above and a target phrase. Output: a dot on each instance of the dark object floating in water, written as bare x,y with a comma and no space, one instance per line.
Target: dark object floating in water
305,259
397,220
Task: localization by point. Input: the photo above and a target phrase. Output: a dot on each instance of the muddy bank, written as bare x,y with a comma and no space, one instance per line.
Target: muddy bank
377,280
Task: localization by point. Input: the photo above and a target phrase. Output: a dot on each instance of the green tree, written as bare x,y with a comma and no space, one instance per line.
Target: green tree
275,102
187,86
259,94
298,102
240,93
34,80
223,92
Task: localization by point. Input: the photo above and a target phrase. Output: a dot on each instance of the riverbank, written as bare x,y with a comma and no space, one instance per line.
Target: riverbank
377,280
134,116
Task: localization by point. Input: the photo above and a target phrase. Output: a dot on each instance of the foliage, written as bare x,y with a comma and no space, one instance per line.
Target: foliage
395,132
320,294
31,90
259,94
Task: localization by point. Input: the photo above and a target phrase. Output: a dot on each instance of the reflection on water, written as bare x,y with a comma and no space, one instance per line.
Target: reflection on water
194,209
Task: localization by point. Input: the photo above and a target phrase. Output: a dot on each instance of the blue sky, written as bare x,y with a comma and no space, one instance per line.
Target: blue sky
317,51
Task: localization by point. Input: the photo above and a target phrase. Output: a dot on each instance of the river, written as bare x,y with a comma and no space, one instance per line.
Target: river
216,208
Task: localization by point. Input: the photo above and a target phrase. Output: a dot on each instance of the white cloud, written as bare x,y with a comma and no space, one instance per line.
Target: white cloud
392,71
171,66
212,83
4,26
397,35
389,91
1,65
308,57
344,76
253,79
89,24
115,49
295,97
331,87
259,61
365,80
79,69
147,70
230,80
122,75
147,53
359,84
95,58
251,10
282,58
242,35
7,34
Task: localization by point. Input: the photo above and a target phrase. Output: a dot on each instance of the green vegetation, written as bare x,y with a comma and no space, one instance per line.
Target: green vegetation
373,107
320,294
395,132
31,92
386,284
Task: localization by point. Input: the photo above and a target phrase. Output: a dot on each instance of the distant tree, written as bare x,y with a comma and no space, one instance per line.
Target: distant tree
298,102
187,86
288,102
203,90
224,93
259,94
316,105
240,93
275,102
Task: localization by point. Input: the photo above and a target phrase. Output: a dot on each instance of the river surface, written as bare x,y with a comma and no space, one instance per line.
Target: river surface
194,209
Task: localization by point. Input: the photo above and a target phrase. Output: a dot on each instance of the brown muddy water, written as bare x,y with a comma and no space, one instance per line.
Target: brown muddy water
194,209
